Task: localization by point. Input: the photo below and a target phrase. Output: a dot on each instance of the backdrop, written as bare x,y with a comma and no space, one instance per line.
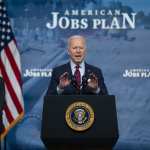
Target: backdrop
122,54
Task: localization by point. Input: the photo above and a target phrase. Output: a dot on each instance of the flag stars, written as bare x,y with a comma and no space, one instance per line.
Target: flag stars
5,27
4,8
3,37
8,23
4,22
4,15
8,30
3,30
2,43
8,37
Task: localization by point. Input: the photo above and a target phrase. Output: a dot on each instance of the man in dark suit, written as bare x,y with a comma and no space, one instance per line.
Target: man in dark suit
77,77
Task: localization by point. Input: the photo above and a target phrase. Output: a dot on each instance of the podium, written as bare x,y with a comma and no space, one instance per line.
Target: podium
55,132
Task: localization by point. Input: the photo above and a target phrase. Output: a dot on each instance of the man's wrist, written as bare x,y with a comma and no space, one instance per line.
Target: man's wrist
97,90
59,90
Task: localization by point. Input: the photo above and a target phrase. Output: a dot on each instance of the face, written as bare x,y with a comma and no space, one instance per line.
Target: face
77,49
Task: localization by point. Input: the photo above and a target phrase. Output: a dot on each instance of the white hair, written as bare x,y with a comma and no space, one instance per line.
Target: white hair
74,37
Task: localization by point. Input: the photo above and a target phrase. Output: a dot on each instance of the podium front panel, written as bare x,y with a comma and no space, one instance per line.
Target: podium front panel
55,130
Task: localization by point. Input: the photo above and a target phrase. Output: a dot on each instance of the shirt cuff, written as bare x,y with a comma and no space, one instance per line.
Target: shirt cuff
59,91
97,91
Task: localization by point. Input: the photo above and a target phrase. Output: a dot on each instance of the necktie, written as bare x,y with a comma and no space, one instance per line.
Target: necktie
77,76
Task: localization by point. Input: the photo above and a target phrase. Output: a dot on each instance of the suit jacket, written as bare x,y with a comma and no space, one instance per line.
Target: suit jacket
58,71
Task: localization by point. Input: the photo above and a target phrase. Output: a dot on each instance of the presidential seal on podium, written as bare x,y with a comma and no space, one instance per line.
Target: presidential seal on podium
79,116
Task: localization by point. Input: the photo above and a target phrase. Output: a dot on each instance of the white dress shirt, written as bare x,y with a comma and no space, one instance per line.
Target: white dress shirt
81,68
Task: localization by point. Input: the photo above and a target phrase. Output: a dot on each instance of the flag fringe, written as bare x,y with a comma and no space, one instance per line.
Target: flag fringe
11,125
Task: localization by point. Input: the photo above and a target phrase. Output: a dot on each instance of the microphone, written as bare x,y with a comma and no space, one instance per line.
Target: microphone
91,76
87,78
73,81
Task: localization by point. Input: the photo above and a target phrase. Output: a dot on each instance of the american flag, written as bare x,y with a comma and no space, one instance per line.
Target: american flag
11,73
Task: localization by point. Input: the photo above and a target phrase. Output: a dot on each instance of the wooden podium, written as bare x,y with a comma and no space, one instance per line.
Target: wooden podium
102,134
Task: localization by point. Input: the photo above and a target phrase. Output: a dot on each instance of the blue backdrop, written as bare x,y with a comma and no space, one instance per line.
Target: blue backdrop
112,51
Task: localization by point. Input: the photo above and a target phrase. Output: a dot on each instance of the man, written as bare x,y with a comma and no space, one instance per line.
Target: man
62,82
77,77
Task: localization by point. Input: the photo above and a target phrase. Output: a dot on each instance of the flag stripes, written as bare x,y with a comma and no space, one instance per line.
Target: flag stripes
10,68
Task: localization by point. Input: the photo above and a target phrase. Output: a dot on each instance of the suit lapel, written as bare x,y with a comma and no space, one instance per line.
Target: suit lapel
68,69
87,69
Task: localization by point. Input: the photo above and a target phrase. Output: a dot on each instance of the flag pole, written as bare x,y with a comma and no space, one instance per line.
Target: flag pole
5,143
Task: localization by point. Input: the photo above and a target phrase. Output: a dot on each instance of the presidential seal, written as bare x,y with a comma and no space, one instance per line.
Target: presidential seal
79,116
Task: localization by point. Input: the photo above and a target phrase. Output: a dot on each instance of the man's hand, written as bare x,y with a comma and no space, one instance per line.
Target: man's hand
64,80
92,82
